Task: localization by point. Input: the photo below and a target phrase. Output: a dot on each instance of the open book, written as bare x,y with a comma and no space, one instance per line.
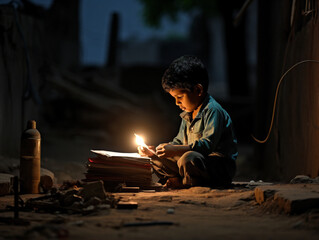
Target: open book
117,167
118,154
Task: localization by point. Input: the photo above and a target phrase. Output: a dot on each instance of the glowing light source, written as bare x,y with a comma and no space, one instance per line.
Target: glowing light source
140,142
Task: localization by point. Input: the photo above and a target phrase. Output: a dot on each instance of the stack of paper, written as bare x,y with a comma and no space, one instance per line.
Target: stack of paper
116,167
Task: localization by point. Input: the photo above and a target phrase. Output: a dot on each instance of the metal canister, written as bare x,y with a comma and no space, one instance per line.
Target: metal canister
30,159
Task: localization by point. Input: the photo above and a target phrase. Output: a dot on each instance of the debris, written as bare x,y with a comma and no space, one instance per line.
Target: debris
104,206
304,179
71,184
165,199
94,201
170,211
93,189
130,189
127,205
149,191
70,199
251,184
89,208
5,183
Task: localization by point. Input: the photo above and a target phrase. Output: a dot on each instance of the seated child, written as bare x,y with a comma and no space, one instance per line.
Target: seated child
205,149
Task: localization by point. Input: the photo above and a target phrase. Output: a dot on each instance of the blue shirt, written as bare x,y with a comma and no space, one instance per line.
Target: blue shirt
211,131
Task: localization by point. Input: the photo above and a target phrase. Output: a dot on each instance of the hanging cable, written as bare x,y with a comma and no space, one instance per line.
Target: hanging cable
276,96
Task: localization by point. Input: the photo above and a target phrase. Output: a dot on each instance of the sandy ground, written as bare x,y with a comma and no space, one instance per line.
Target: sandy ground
195,213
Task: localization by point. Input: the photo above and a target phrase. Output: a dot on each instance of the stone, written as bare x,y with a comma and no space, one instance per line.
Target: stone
94,201
301,179
198,190
165,199
104,206
46,179
170,211
93,189
71,199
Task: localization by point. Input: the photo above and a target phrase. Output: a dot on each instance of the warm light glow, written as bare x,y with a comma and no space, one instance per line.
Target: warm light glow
140,141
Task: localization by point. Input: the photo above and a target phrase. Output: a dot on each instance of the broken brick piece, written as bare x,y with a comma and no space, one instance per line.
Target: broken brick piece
127,205
93,189
130,189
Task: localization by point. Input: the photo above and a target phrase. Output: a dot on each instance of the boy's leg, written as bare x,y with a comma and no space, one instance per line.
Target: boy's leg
193,170
165,168
221,170
214,170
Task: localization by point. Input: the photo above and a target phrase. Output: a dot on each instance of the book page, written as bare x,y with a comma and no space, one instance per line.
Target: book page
118,154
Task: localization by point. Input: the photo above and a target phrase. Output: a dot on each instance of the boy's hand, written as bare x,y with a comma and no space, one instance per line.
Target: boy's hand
165,150
145,152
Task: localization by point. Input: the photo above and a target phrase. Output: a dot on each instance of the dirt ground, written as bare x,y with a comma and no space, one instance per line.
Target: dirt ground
195,213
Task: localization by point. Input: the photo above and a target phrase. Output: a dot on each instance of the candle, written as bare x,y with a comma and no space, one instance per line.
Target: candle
140,142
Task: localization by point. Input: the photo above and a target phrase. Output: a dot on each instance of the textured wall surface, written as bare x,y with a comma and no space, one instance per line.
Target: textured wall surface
288,34
14,109
297,123
32,41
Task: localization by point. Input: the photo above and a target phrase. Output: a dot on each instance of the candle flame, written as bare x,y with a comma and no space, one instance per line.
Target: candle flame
140,141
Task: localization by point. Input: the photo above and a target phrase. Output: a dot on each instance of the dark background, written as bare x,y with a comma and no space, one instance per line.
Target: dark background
89,73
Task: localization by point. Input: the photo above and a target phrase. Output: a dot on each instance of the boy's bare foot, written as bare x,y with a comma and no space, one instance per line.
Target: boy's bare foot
174,183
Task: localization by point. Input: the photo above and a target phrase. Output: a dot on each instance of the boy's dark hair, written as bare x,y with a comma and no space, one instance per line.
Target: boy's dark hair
185,72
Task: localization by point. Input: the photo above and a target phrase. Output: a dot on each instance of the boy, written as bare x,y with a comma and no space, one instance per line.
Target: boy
204,151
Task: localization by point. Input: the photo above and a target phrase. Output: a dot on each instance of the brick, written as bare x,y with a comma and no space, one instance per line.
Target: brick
290,198
93,189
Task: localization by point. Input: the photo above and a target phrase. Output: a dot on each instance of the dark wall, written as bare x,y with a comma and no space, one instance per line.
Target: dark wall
32,40
17,62
292,146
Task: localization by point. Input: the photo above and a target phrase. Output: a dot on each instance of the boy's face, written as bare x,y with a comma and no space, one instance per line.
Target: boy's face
187,100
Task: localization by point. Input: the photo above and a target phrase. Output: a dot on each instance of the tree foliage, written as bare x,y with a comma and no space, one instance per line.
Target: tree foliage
154,10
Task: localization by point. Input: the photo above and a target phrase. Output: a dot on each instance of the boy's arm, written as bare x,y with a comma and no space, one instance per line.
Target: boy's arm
166,150
211,134
176,147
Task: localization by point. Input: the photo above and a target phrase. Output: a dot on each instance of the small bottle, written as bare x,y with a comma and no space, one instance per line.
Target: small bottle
30,159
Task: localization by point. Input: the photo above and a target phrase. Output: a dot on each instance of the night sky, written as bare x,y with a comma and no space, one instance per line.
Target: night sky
95,20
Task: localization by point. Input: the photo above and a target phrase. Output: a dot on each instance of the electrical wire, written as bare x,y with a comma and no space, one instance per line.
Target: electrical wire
276,96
